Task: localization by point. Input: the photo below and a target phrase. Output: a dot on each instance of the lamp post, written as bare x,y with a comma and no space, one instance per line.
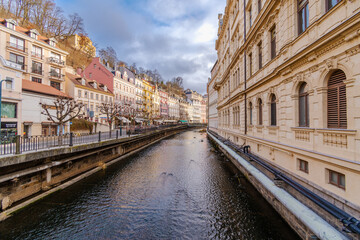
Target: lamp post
1,82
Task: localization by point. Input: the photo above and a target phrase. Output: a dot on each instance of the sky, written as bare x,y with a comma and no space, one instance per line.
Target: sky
176,37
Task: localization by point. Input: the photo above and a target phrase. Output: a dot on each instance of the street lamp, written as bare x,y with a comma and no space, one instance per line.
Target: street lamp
5,80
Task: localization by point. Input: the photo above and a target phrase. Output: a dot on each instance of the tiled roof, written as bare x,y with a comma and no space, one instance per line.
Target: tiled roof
129,73
73,78
41,88
25,31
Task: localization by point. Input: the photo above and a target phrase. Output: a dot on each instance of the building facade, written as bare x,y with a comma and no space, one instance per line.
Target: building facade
91,94
26,55
289,87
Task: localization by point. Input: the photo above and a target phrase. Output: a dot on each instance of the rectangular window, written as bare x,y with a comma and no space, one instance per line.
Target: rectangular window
250,17
9,83
259,6
36,68
303,166
85,94
260,54
35,79
55,85
337,179
55,72
273,42
36,52
97,96
102,98
250,64
303,15
8,110
91,95
17,43
17,59
331,3
79,93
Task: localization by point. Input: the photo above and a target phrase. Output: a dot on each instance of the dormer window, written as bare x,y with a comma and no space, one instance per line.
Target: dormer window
52,42
83,81
95,85
10,23
105,88
11,26
34,33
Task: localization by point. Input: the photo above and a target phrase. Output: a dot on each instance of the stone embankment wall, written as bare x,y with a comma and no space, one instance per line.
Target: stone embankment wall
32,174
306,218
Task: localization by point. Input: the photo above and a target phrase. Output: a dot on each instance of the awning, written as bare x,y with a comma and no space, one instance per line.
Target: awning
138,120
170,121
125,120
183,121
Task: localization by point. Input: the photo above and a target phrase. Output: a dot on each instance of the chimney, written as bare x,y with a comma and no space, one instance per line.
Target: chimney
79,71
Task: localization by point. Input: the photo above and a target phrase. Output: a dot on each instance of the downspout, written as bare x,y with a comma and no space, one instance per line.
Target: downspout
245,102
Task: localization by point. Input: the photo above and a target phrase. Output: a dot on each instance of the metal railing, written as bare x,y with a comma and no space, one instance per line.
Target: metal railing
20,144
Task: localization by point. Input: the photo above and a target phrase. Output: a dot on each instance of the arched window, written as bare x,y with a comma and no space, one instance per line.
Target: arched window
251,113
260,114
336,104
273,110
303,105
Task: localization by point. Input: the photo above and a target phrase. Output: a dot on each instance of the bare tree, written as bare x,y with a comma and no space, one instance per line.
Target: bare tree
63,110
111,110
108,55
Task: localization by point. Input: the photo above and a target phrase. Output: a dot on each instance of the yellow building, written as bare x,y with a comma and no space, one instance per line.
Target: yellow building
289,87
148,99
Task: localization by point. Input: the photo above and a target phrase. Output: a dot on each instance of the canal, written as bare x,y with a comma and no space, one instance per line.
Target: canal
180,188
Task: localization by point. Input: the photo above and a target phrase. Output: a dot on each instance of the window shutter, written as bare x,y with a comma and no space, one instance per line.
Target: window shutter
337,100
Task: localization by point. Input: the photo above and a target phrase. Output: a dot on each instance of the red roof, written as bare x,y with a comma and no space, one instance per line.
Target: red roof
41,88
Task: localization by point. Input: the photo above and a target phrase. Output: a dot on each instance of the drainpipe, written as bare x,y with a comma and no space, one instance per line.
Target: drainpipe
245,102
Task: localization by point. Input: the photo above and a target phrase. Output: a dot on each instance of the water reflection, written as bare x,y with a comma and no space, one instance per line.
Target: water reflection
177,189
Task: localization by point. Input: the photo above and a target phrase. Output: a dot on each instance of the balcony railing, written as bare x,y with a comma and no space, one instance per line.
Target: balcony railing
37,55
15,65
18,47
37,71
56,61
56,75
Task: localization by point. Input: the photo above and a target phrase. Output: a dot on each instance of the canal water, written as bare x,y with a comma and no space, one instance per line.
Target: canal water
180,188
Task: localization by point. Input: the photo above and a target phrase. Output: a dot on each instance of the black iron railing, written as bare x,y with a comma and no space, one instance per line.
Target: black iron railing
20,144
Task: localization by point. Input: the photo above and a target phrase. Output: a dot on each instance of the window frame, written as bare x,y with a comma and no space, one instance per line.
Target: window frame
273,115
273,42
260,112
260,55
327,5
303,166
303,21
338,179
304,95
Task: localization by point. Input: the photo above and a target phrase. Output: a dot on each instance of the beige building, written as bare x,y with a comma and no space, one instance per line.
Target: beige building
212,112
91,94
289,87
11,109
26,55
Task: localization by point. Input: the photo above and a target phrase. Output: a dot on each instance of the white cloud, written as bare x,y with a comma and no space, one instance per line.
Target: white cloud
177,37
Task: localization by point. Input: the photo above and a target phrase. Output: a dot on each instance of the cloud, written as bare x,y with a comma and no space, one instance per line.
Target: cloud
175,37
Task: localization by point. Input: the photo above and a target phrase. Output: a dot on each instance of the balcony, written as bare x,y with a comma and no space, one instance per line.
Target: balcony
13,65
37,55
56,61
56,76
37,71
17,47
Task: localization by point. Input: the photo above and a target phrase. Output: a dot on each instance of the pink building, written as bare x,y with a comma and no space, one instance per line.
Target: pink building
164,106
99,72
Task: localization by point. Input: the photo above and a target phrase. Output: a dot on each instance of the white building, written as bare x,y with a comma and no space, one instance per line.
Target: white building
33,95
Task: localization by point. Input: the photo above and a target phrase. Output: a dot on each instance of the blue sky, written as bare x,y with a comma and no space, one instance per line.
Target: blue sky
176,37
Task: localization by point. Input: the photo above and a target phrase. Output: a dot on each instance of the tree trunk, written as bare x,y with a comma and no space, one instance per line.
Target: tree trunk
60,137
